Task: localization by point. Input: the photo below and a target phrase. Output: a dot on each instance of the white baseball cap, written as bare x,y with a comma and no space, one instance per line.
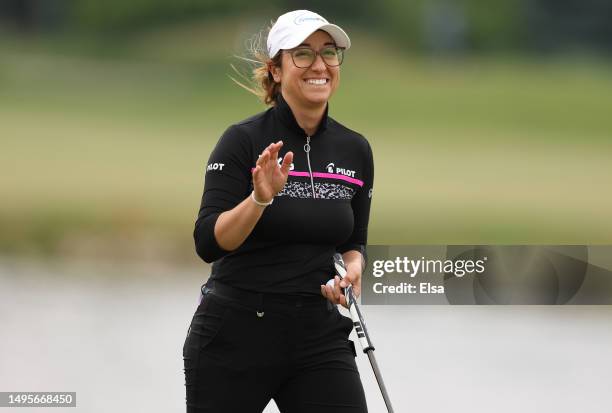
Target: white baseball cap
292,28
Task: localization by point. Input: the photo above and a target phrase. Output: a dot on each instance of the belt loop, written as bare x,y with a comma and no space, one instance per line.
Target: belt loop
260,309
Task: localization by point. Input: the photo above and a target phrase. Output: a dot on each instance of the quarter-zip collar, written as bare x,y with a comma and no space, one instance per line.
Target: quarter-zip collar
286,116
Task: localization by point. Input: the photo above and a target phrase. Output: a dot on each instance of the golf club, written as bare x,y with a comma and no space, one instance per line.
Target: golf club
361,330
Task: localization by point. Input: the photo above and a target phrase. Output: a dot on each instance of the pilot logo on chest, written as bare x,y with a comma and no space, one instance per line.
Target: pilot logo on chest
333,169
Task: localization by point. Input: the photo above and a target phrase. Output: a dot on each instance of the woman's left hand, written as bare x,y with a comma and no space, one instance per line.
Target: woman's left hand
335,294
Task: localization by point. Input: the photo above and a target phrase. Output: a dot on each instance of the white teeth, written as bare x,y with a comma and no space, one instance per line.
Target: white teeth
316,81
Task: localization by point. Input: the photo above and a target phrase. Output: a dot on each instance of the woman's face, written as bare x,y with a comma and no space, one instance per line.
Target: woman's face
297,84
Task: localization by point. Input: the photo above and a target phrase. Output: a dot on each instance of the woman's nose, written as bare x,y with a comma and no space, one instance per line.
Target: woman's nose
318,64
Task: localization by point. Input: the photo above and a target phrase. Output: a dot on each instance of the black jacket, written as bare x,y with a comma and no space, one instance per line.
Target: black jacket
290,249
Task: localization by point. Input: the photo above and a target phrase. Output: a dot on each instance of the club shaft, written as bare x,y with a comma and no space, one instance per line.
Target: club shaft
379,379
362,332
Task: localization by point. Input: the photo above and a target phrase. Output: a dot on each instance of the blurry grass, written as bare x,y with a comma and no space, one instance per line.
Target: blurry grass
473,150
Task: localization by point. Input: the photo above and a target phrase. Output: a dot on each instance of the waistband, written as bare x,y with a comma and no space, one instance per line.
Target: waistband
259,300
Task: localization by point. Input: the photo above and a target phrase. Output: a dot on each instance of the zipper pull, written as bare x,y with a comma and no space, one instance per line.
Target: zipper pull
307,150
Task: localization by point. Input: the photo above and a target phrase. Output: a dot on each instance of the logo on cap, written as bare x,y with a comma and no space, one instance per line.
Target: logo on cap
303,18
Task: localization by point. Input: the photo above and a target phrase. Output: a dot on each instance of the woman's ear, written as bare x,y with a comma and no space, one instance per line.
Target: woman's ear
275,71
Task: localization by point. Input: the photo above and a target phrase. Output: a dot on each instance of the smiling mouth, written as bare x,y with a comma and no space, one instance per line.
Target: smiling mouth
316,82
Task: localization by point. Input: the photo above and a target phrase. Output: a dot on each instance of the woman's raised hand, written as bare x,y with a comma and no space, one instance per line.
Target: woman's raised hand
269,177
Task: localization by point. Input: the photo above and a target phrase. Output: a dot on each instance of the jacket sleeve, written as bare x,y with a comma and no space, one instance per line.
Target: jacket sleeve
361,208
226,184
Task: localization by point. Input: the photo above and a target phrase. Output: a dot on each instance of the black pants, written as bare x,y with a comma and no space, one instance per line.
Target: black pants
240,354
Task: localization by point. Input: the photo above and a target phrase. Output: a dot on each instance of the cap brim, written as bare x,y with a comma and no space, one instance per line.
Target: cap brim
339,35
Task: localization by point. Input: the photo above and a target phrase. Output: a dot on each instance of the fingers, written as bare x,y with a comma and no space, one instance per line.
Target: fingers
269,176
357,289
341,296
270,152
353,278
274,148
263,158
334,293
328,292
337,290
287,159
256,173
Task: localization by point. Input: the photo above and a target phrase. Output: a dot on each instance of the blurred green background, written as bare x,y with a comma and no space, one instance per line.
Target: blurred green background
489,124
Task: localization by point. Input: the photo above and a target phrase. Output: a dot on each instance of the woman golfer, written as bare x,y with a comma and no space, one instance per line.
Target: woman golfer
284,190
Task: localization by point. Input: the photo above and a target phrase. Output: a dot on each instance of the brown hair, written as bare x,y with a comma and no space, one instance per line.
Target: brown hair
259,81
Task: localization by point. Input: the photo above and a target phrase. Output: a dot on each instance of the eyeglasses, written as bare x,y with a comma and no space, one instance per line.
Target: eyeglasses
304,57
